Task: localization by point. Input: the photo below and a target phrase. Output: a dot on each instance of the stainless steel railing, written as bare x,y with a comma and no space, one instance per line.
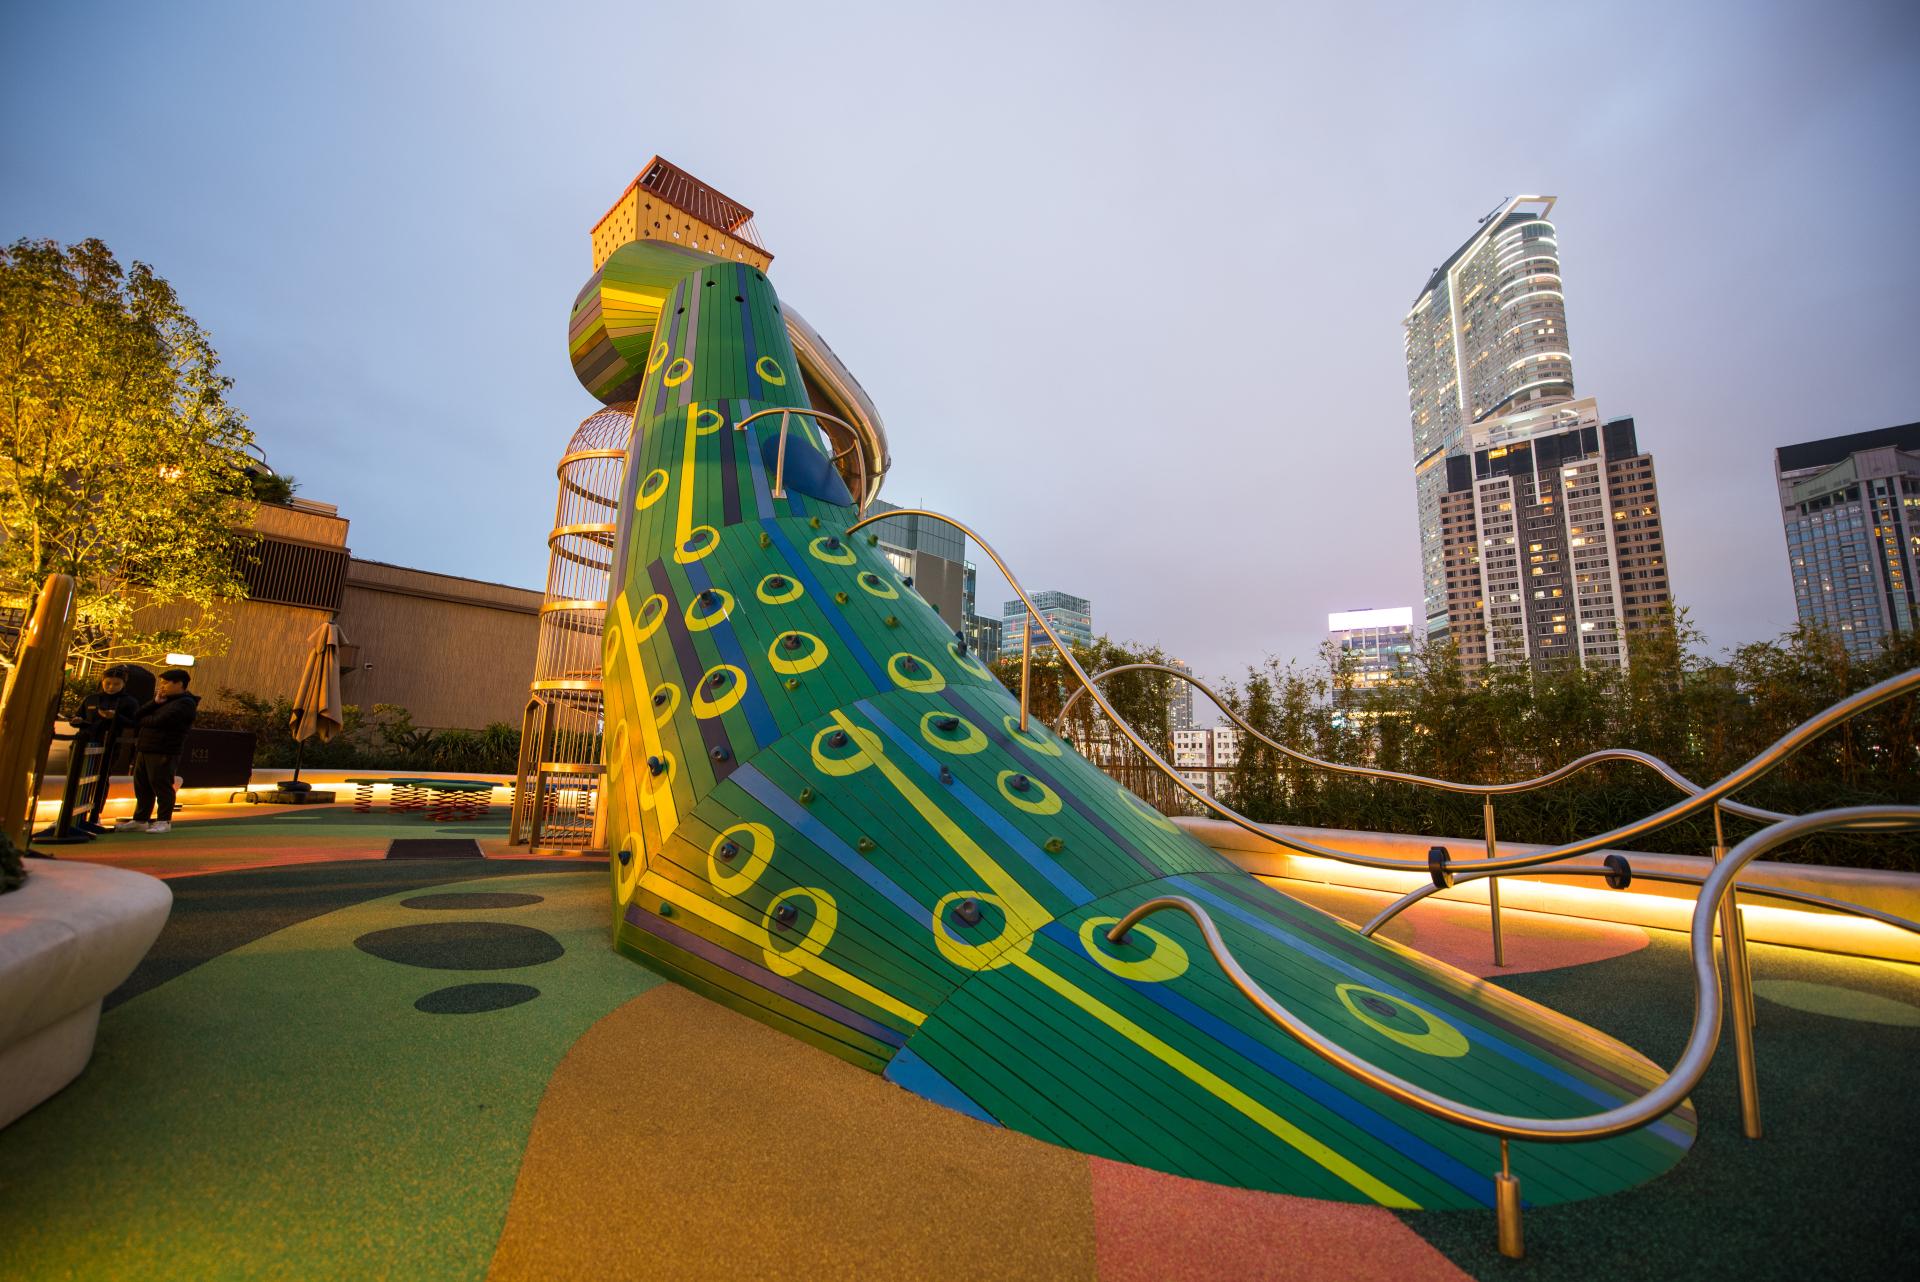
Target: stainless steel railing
1654,1104
820,417
1717,897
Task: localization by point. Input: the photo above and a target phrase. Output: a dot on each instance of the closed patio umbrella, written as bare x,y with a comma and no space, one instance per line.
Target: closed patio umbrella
316,701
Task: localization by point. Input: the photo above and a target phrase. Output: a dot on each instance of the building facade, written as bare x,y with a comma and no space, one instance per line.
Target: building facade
1553,549
1204,756
1850,506
931,553
454,652
1487,336
1069,616
1378,642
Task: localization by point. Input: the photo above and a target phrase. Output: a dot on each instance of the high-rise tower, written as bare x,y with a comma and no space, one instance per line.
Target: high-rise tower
1486,337
1540,528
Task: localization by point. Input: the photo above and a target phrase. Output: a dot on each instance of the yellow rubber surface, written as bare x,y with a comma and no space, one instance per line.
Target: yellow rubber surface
679,1139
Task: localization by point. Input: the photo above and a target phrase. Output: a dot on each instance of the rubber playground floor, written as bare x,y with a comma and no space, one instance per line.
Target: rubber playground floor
337,1065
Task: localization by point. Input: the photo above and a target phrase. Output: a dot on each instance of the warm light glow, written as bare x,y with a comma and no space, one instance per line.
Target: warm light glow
180,661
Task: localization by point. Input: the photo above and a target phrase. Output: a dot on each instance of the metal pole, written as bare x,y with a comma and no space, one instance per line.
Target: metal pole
1506,1189
1739,994
780,461
537,806
1493,885
1026,666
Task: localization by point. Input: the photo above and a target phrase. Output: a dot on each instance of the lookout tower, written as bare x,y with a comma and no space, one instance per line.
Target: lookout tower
667,203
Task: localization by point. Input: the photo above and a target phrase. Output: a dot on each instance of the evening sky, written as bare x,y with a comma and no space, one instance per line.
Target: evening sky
1125,280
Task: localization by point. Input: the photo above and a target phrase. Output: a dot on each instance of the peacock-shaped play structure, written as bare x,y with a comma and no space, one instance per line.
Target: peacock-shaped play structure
825,813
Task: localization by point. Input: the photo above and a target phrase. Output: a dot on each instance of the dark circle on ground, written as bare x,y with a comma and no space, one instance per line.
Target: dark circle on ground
462,945
472,899
471,999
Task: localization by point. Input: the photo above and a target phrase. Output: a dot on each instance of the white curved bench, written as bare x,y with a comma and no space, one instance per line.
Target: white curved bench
67,939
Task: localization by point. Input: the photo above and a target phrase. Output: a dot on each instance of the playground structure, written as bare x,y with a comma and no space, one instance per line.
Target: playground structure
825,813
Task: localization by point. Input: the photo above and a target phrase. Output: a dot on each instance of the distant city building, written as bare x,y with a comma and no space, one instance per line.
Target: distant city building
931,553
1486,337
1203,757
1380,642
1068,615
1552,542
1851,507
1180,714
983,635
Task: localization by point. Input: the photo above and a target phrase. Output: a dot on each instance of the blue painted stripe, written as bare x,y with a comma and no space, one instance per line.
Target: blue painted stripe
841,628
732,962
795,816
1385,983
1475,1184
909,1070
1047,866
766,729
762,489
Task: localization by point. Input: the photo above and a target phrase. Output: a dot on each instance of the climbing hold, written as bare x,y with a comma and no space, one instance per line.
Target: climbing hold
660,699
709,597
1054,846
870,579
806,796
626,856
766,540
813,523
832,544
655,766
791,641
908,580
892,622
718,679
839,598
909,664
838,739
776,583
864,845
968,912
728,849
784,915
946,775
947,725
793,683
873,540
719,753
666,909
1020,783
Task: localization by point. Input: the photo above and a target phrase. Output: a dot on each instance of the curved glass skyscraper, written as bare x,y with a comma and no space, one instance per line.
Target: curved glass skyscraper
1487,337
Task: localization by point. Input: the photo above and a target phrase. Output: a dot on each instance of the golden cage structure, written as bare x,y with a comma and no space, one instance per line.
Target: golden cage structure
556,800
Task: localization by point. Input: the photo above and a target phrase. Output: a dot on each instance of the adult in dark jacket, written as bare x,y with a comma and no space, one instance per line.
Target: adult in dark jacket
156,751
108,717
109,710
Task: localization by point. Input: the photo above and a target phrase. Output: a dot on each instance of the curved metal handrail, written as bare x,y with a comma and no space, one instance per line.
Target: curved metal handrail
1470,872
1783,747
1656,1103
1571,768
818,416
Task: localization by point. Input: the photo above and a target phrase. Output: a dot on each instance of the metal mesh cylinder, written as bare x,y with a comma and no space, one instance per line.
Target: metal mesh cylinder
559,773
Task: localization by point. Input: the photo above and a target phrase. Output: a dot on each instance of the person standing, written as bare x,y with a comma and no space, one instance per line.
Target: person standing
156,751
104,717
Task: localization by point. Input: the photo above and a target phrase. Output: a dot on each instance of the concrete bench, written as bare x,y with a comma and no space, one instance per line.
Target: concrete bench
67,939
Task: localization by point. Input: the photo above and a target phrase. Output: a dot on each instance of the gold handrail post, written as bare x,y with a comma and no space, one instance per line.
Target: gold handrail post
1506,1188
1493,889
1733,943
1026,666
780,460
